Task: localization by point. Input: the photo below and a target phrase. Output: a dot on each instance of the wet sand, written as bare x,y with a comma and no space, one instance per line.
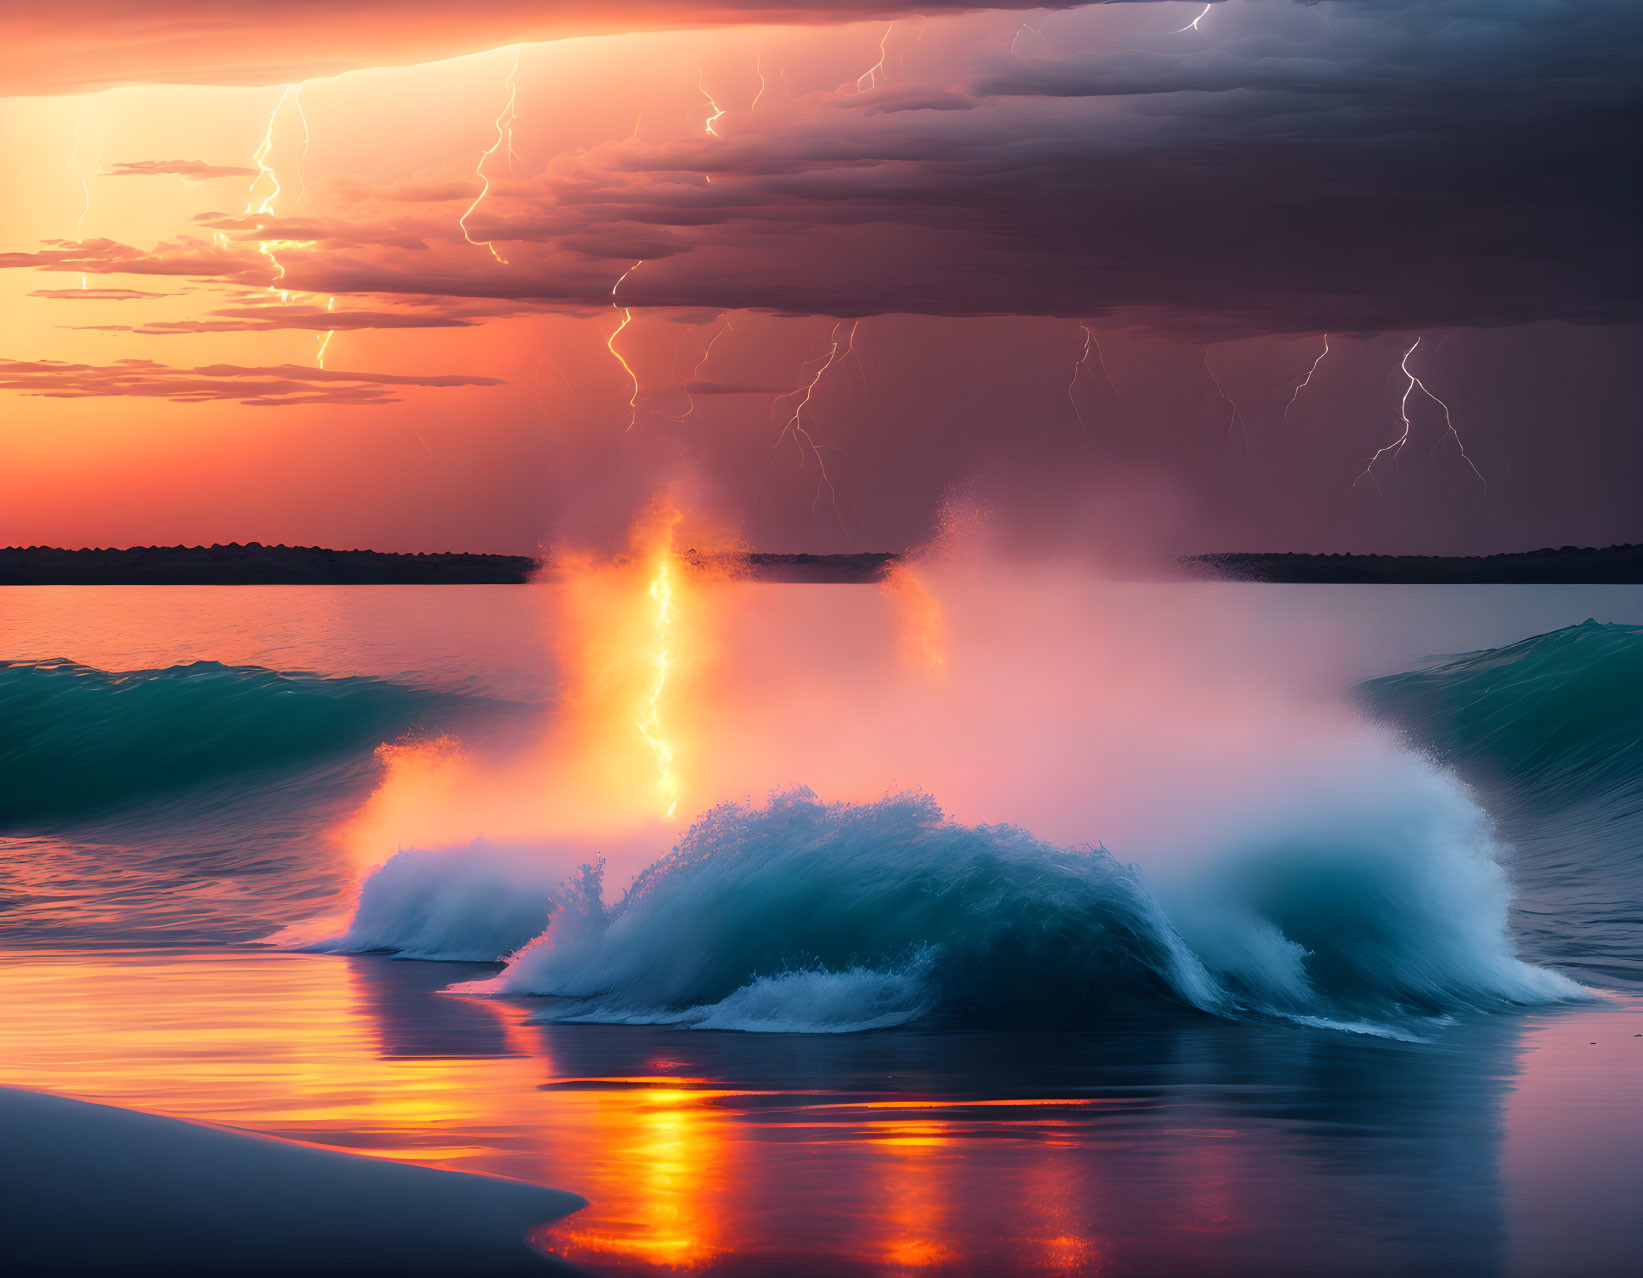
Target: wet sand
89,1188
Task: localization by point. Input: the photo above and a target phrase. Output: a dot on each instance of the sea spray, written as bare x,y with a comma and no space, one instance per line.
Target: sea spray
1004,928
804,916
479,903
1381,893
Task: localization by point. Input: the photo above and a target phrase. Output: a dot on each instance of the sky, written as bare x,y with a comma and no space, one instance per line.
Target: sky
1150,277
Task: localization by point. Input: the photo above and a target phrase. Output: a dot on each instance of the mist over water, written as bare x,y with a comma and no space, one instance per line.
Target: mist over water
922,780
942,800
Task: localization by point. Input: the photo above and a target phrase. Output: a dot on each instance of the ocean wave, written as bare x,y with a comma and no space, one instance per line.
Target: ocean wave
475,904
803,916
1550,730
1556,719
76,740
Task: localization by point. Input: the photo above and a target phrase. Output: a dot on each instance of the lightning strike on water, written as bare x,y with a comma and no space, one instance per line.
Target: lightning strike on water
650,723
504,137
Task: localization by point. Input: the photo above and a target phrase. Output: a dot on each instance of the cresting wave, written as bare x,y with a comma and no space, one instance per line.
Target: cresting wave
802,916
76,740
1377,903
1556,719
1550,730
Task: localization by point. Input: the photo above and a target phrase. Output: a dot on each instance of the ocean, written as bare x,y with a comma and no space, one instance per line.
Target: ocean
1118,928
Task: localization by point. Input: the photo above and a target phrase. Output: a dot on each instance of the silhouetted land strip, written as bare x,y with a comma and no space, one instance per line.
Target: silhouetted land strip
256,564
766,566
1567,565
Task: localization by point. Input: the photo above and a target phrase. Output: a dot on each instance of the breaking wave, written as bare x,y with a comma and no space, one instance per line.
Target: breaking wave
76,740
804,916
1550,731
473,905
1553,720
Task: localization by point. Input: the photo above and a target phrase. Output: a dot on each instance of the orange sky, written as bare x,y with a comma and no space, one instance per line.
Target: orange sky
770,179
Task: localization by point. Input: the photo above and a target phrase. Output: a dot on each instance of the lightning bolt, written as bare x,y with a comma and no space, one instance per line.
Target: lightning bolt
1027,28
1078,368
85,186
265,206
1193,25
324,342
610,343
758,66
715,111
875,74
1237,418
802,436
302,190
650,722
1092,346
302,185
1395,448
504,135
1305,381
707,353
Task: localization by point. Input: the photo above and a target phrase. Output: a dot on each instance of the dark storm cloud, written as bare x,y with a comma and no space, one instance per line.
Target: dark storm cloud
82,45
280,385
1448,162
1401,165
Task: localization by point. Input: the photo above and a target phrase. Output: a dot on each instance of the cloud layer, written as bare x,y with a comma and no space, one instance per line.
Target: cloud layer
260,387
1402,164
79,46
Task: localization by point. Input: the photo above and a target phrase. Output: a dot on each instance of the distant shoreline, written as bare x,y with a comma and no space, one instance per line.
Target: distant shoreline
1566,565
254,564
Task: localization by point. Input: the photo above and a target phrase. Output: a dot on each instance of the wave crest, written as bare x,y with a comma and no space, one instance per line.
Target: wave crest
75,740
803,916
1557,718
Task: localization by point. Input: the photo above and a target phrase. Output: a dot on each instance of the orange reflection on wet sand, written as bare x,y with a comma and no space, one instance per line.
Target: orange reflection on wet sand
298,1046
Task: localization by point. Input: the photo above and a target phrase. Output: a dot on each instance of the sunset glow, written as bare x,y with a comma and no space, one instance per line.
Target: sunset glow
822,638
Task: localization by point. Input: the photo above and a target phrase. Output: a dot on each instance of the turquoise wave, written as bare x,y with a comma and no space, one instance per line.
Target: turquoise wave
1555,720
75,740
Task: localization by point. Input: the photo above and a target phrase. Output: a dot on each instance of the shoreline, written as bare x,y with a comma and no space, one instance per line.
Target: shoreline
254,564
1562,566
93,1187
